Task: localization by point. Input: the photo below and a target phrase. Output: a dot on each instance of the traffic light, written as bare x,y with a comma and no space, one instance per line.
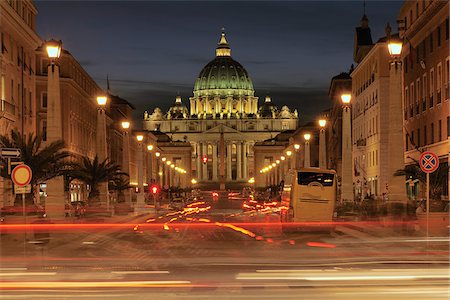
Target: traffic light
204,159
154,189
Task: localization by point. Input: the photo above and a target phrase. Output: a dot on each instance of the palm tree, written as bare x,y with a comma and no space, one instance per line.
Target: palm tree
45,160
120,184
93,173
438,178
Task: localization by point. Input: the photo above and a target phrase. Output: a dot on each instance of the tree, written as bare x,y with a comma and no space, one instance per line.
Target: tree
438,178
46,160
93,173
120,184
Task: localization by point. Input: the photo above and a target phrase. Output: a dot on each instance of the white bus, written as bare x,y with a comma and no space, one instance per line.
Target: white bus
308,199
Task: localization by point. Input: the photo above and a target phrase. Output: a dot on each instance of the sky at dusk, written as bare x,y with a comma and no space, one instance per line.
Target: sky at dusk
154,50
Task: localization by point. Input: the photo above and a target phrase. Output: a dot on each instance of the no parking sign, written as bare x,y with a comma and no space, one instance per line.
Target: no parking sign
429,162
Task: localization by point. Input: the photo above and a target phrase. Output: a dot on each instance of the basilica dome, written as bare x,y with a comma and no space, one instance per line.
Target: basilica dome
178,110
223,76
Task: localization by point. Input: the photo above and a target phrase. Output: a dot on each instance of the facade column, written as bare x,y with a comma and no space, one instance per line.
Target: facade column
239,161
214,162
55,201
199,160
204,166
244,158
229,153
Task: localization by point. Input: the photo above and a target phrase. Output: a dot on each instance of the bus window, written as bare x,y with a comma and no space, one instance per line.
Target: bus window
305,178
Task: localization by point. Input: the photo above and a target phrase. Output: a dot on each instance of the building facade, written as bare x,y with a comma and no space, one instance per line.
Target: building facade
425,56
340,84
370,124
224,120
18,41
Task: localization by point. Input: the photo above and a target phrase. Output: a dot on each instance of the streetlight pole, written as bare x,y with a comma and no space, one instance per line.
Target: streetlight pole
346,180
297,156
55,201
101,147
126,156
397,199
307,137
140,201
322,145
289,154
150,164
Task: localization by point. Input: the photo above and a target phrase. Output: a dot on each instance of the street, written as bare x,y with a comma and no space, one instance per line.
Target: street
212,248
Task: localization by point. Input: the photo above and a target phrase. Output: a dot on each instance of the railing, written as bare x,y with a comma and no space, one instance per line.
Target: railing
6,107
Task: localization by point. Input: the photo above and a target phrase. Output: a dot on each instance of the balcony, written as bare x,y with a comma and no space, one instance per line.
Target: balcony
7,110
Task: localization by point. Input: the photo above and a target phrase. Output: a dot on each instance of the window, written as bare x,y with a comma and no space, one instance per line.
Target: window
439,131
44,131
418,137
306,178
432,133
412,138
424,135
439,36
431,42
44,100
448,126
406,141
431,87
417,10
446,29
438,83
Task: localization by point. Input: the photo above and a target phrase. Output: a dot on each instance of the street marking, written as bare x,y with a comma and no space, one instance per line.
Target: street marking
29,274
139,272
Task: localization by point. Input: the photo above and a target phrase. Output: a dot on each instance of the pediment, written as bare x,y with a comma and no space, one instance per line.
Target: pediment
222,128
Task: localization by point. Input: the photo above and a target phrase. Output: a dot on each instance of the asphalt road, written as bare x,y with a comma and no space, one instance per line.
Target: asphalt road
213,249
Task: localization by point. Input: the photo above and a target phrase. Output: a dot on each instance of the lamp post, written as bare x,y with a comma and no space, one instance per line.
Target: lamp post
54,203
346,177
297,155
396,185
289,154
150,164
140,200
101,147
126,156
322,145
307,137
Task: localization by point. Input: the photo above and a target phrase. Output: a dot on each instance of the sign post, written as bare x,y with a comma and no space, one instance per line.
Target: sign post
429,162
21,177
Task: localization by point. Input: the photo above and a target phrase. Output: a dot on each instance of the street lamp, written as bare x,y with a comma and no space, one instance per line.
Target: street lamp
54,203
157,154
346,178
307,162
397,199
102,151
322,145
53,48
149,147
126,156
140,201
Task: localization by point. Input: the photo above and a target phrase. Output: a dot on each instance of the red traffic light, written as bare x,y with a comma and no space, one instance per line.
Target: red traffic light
154,189
205,159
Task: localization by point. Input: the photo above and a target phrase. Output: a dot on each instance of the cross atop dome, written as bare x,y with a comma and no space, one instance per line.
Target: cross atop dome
223,48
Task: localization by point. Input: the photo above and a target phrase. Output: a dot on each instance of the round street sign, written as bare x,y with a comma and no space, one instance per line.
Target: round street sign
429,162
21,175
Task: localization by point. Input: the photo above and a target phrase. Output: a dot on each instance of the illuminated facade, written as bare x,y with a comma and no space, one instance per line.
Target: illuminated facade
426,84
224,120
